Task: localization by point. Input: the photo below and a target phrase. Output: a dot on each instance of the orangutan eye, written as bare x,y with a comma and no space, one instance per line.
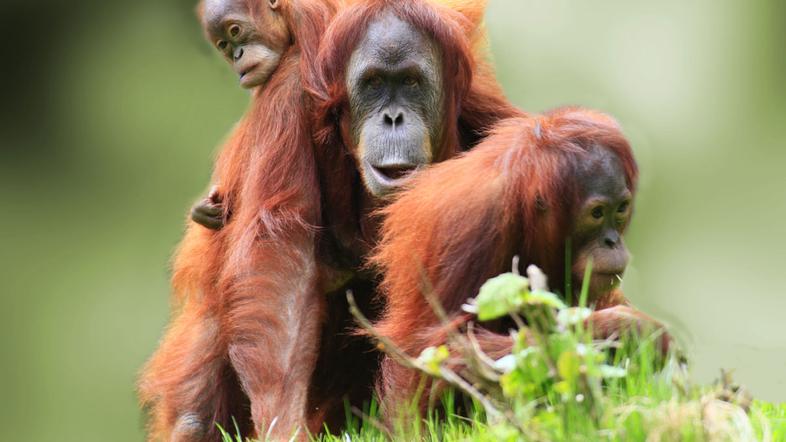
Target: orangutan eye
221,45
623,207
234,30
411,81
374,82
597,212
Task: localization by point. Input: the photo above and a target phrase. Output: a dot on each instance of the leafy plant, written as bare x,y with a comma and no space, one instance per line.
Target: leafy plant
560,384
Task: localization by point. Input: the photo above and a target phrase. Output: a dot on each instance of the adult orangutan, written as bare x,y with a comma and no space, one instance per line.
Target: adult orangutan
243,340
398,93
524,191
394,91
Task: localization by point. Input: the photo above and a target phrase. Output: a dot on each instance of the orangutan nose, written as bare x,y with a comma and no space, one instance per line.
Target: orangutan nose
393,119
612,239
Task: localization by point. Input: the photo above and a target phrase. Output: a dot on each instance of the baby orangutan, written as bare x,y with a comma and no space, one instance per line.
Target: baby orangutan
252,36
243,340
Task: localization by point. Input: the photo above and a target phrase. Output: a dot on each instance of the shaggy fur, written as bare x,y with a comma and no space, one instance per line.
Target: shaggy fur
255,334
462,221
243,338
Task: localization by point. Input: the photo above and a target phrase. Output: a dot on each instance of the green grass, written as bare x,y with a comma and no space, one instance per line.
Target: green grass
645,405
567,386
638,416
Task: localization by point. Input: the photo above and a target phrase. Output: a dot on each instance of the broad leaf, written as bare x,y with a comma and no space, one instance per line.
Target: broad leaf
501,295
432,358
545,298
572,316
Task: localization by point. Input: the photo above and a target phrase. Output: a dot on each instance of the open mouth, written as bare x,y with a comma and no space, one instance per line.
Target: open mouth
393,175
395,172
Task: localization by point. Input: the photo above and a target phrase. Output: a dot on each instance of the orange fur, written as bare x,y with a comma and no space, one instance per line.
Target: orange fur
461,222
244,337
473,103
249,298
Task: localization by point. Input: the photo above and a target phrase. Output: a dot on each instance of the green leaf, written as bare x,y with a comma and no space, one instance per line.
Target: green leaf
520,340
513,384
533,365
568,366
432,358
501,295
559,343
573,315
545,298
505,433
562,387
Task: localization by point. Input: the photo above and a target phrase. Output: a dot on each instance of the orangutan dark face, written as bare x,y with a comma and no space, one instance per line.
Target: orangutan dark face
601,219
394,83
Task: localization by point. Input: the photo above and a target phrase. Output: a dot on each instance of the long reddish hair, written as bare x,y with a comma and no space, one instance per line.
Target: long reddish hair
472,102
462,221
267,165
308,21
268,178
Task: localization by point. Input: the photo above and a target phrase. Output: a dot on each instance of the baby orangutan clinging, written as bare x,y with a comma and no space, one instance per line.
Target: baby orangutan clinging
252,36
532,187
256,38
243,340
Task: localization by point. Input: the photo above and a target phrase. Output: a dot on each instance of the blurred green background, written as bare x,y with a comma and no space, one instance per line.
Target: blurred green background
111,115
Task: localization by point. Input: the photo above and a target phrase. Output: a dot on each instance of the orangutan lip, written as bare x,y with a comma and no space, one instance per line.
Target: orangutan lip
394,174
614,276
247,70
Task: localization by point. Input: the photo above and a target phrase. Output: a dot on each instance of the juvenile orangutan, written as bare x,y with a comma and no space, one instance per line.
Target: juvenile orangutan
524,191
244,335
